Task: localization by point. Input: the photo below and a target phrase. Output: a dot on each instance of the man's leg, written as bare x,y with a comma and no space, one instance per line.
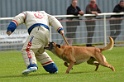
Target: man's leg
112,28
29,56
115,28
118,28
71,31
90,31
47,63
30,61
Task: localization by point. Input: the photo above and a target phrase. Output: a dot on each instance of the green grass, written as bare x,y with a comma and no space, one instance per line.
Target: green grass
12,64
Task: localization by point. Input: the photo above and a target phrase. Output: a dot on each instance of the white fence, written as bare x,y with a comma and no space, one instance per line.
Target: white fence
101,32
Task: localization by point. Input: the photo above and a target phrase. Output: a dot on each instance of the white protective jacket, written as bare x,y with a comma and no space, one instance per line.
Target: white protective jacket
33,17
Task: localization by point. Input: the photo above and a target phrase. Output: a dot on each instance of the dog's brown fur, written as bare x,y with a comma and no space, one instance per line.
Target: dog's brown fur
73,55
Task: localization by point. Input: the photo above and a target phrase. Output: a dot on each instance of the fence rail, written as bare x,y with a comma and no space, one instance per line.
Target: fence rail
64,16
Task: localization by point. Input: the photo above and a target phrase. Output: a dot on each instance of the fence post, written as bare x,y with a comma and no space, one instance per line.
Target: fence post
105,40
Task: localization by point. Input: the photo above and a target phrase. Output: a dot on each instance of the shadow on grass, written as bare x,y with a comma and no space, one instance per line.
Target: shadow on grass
84,72
30,75
46,74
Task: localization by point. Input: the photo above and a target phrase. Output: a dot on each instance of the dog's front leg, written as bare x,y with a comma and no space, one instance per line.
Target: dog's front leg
66,64
69,67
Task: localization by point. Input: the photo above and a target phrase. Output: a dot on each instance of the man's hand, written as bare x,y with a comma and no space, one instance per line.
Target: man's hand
8,33
81,12
62,32
94,12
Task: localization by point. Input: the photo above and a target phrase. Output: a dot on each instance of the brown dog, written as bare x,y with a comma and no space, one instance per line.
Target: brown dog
77,54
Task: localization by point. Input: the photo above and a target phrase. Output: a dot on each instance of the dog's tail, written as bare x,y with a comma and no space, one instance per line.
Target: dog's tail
109,46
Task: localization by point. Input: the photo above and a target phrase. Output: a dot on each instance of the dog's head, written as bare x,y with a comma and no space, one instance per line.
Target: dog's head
51,46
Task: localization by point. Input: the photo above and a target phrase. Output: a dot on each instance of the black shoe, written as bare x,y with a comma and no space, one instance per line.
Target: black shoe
89,45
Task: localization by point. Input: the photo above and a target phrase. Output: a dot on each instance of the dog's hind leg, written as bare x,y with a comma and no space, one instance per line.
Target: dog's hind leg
97,65
92,61
106,64
102,60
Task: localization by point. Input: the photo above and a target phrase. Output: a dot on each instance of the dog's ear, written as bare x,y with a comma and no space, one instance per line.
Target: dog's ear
58,45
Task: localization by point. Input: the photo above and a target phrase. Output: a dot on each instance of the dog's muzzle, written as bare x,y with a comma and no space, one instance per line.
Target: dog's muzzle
46,47
50,46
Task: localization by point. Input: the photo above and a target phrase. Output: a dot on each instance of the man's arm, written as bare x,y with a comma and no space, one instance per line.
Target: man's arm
116,9
80,11
19,19
56,24
98,9
88,10
70,11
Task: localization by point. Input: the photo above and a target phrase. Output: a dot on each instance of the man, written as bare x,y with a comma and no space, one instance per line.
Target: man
115,21
91,8
72,22
37,23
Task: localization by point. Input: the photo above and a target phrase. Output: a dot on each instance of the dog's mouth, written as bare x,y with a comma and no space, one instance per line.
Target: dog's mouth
51,46
46,47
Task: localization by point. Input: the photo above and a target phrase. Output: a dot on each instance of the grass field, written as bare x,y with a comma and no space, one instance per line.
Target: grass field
12,64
